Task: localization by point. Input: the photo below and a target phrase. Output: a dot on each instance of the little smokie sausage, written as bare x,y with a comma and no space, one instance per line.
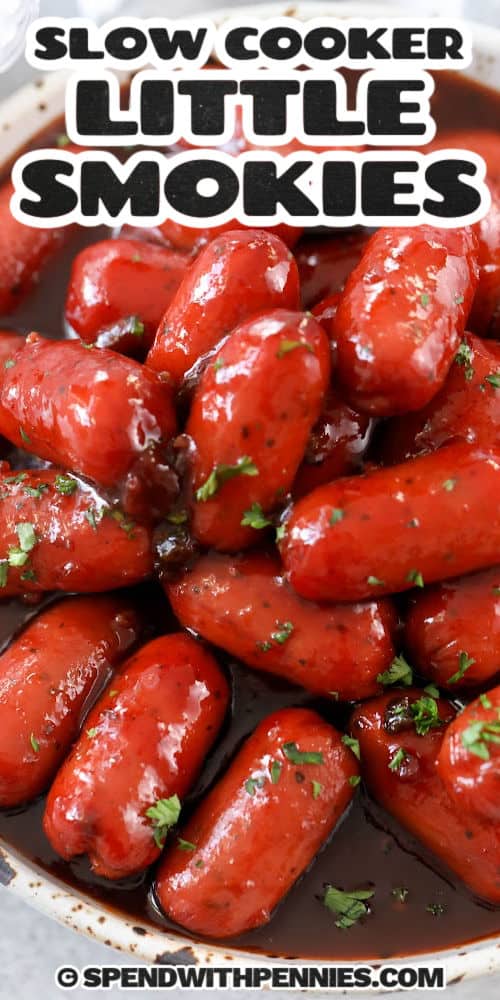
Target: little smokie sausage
94,412
428,519
238,275
400,736
485,315
251,416
469,759
402,314
324,264
57,534
143,746
190,240
336,446
260,827
245,605
48,675
467,407
452,630
124,285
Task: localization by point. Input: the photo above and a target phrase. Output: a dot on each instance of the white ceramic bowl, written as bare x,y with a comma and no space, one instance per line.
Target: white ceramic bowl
21,116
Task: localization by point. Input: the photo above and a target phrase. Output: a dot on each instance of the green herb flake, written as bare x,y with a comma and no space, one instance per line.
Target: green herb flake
287,346
464,662
4,572
222,474
400,893
485,701
136,258
62,140
255,518
29,574
275,771
317,788
399,672
199,863
9,363
348,906
463,358
296,756
494,380
415,577
458,300
163,815
218,364
136,326
437,909
355,780
477,736
353,745
373,581
36,491
16,557
18,478
34,743
336,515
185,845
177,517
284,632
24,436
26,535
397,759
425,714
251,784
449,485
89,516
425,299
92,733
280,532
65,485
432,690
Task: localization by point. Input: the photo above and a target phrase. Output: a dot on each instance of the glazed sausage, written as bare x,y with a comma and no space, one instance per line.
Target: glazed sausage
238,275
402,314
485,316
469,758
93,412
325,264
428,519
251,416
452,631
118,291
190,240
24,252
57,534
260,827
337,444
144,743
398,747
467,407
10,342
48,677
245,606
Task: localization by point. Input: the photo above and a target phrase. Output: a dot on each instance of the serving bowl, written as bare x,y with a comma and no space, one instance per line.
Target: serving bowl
22,117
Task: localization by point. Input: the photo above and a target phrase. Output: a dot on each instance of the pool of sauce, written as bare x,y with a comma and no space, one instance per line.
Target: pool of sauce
369,849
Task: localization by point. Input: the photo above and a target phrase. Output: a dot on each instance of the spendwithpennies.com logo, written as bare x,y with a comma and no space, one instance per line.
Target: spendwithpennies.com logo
16,16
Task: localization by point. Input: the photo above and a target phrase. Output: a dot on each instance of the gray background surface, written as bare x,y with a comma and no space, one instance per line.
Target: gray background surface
31,945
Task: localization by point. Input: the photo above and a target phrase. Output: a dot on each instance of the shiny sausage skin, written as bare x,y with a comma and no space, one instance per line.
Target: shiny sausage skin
325,264
244,605
187,239
93,412
467,407
431,518
48,676
258,400
10,342
485,315
453,623
414,793
469,759
79,543
122,283
402,314
146,739
336,446
238,275
254,836
24,251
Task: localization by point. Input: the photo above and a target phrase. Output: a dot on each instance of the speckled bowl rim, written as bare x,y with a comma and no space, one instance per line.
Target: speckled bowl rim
22,116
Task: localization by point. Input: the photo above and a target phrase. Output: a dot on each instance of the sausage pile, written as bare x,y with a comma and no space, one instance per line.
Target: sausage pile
317,494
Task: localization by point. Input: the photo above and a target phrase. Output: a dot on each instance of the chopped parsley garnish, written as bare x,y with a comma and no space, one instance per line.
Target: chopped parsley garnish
400,893
494,380
177,517
34,743
222,474
275,771
18,478
163,814
218,364
353,745
415,577
280,532
4,572
65,485
24,436
92,733
425,299
463,357
287,346
397,759
9,363
437,909
432,690
349,906
89,516
28,574
185,845
281,635
336,515
425,714
255,518
136,326
296,756
478,734
373,581
62,140
449,485
399,672
317,788
252,783
18,555
355,780
36,491
464,662
485,701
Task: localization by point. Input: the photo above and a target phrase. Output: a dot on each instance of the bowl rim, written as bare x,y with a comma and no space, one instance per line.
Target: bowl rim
22,115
